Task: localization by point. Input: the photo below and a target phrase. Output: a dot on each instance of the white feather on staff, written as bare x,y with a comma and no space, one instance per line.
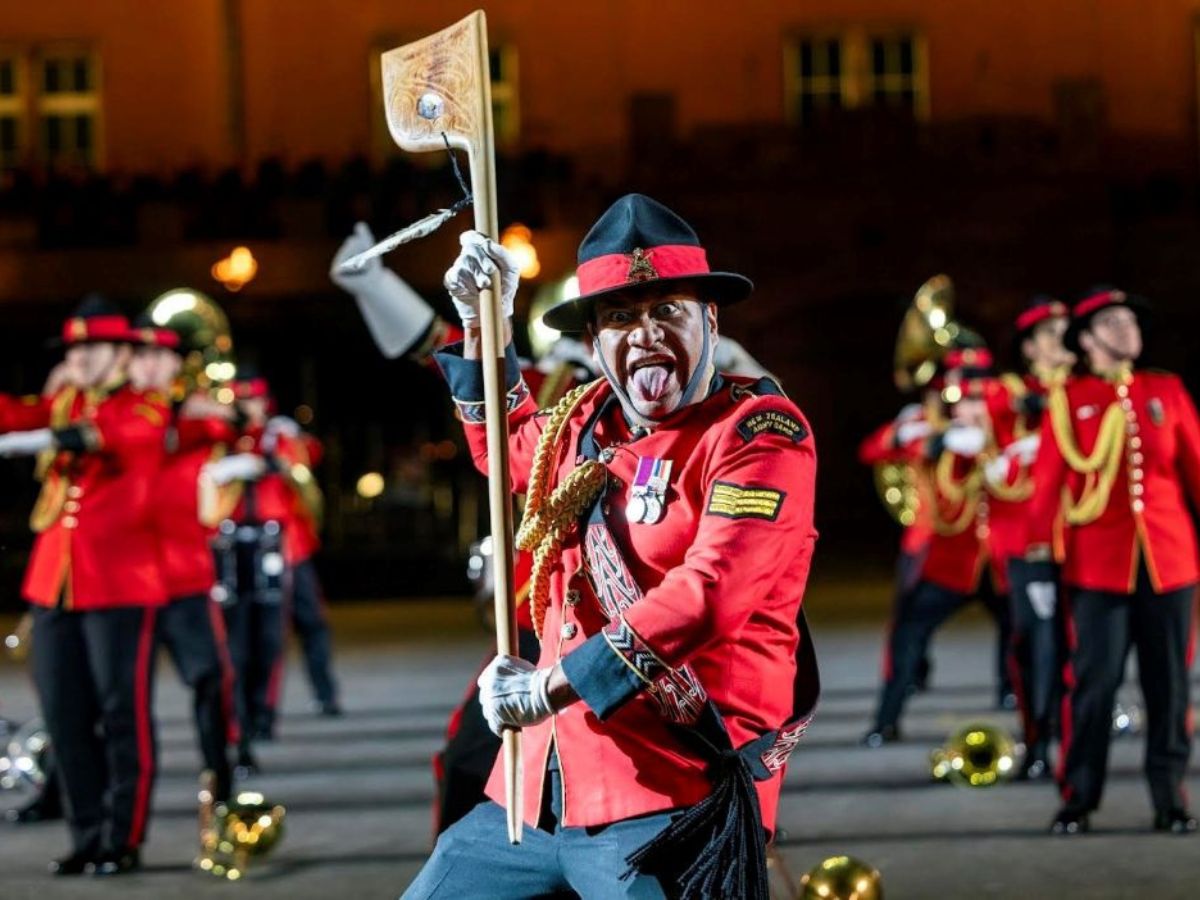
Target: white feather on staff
418,229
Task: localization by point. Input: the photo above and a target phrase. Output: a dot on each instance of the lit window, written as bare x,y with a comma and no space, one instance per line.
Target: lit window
506,113
818,77
858,68
11,110
68,108
893,75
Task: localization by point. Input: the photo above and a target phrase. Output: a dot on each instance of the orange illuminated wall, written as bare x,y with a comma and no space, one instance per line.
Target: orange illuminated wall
306,86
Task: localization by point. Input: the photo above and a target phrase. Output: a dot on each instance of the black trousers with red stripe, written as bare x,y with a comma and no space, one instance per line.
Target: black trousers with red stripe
187,627
918,617
1038,655
1104,627
94,676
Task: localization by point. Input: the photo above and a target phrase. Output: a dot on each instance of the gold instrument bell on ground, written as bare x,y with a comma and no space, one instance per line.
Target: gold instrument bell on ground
976,755
234,833
841,878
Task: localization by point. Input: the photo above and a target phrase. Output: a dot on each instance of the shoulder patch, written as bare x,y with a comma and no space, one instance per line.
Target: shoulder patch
772,421
733,501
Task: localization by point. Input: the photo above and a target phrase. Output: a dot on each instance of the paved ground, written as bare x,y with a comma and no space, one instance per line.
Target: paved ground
358,789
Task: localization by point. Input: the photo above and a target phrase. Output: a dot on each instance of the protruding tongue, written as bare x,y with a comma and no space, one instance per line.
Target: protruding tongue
651,382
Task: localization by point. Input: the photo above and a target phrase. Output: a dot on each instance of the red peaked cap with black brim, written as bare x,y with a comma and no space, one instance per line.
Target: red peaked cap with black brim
637,246
1098,298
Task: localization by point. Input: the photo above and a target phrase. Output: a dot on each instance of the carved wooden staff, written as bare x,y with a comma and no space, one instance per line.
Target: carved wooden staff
439,90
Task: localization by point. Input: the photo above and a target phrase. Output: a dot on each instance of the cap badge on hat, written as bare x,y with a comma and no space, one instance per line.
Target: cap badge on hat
640,266
77,329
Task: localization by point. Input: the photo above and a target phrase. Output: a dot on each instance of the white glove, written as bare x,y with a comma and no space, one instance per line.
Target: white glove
732,357
909,431
996,469
277,426
514,693
395,314
26,443
965,440
1024,450
1043,595
480,264
238,467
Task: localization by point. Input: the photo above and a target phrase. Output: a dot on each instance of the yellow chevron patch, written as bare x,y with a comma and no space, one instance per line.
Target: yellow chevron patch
733,501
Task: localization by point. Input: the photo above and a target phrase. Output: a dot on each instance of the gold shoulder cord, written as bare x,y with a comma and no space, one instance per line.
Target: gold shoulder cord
1099,469
53,495
549,517
965,492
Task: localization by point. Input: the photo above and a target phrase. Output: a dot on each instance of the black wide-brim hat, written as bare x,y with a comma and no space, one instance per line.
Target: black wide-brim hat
639,245
1095,301
96,320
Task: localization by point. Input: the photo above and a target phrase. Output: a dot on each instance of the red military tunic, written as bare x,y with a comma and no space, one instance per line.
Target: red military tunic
1153,472
1012,501
722,590
280,493
880,448
959,549
185,551
96,547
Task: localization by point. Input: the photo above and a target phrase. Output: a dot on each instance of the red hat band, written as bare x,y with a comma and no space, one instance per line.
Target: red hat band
1096,301
617,269
81,330
157,337
1032,317
251,388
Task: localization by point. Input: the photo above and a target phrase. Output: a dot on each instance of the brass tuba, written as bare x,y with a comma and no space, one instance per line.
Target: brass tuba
926,333
205,341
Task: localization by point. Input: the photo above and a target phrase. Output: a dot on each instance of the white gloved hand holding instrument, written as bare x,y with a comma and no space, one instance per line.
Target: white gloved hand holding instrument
238,467
481,265
514,693
395,314
26,443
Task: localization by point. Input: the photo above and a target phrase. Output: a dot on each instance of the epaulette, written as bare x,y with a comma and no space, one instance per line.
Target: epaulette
763,387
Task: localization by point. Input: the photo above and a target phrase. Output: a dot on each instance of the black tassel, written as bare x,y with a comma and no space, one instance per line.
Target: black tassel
717,849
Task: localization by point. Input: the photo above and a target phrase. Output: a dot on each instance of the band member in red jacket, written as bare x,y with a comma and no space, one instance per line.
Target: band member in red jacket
899,445
959,565
669,514
403,324
95,585
190,626
1016,407
1121,453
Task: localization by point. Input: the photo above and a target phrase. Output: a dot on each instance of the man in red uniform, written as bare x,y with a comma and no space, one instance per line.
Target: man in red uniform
1125,445
900,443
670,519
95,585
190,625
959,561
1016,407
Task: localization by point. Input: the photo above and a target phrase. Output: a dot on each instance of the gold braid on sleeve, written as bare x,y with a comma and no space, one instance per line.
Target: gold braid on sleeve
1099,468
550,515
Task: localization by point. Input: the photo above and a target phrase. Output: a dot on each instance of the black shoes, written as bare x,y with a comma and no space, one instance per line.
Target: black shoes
1070,821
329,708
1176,821
118,863
888,734
75,864
247,763
1006,699
1035,766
